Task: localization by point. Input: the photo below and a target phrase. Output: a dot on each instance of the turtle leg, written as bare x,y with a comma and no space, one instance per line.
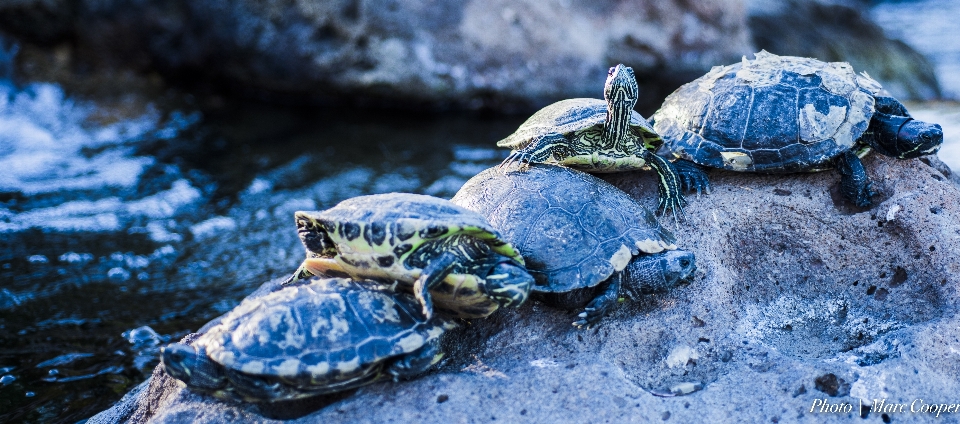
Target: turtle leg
539,150
416,362
300,274
671,197
692,176
432,275
602,303
854,182
317,242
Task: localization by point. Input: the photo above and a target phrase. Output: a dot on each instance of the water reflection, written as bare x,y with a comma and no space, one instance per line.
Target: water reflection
930,27
97,276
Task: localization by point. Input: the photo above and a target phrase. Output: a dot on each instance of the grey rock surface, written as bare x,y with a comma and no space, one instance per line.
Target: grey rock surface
470,54
800,298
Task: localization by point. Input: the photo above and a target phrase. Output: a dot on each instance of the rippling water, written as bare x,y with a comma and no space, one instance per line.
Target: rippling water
930,26
116,238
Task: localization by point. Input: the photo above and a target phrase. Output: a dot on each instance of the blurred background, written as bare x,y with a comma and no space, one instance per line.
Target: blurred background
152,152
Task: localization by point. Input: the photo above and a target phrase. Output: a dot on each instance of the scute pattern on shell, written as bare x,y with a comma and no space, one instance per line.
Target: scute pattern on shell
323,330
572,227
771,114
414,214
566,117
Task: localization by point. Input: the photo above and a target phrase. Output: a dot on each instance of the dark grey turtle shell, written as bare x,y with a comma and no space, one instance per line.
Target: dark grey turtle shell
322,332
771,114
566,117
573,229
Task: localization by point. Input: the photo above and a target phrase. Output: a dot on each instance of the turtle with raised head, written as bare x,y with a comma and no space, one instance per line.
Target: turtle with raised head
788,114
585,242
315,338
597,136
446,255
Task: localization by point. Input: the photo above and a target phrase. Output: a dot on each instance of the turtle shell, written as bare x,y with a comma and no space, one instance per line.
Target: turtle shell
375,236
574,230
324,332
770,114
566,117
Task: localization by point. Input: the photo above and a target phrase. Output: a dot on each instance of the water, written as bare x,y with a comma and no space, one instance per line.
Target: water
930,27
948,116
125,235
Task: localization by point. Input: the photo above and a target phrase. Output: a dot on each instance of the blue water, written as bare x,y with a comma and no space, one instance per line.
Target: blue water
119,236
930,26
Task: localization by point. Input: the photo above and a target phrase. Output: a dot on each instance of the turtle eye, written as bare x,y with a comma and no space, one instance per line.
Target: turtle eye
611,70
433,231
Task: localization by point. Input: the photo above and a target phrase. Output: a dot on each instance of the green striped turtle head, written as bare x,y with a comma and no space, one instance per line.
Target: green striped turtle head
621,93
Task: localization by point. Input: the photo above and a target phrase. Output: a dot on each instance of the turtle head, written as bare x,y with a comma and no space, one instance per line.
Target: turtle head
658,272
621,87
184,363
918,138
508,283
621,93
903,137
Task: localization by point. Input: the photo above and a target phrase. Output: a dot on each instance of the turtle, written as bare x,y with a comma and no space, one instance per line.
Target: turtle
586,242
597,136
318,337
777,114
446,255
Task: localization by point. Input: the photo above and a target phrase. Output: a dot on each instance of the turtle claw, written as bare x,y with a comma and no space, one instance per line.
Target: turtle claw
300,274
517,156
588,318
427,307
676,206
692,177
422,294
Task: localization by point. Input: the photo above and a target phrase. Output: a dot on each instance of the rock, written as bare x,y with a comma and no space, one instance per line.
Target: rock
503,55
787,294
842,31
476,54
